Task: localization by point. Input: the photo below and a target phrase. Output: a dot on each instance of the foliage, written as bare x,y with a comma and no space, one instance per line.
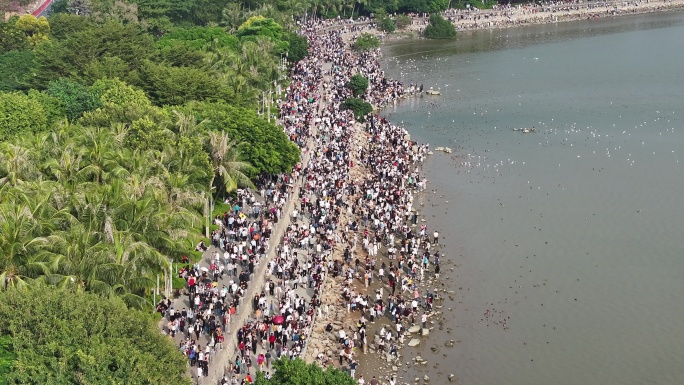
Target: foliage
15,69
429,6
7,358
36,29
20,115
63,25
360,107
66,336
122,104
479,4
358,84
200,37
52,108
403,21
75,98
297,372
384,22
299,47
366,41
177,85
266,147
266,27
12,38
439,28
81,55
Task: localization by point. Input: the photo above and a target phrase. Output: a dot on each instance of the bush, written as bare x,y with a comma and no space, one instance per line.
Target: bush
386,24
358,84
20,115
360,107
403,21
439,28
366,42
62,336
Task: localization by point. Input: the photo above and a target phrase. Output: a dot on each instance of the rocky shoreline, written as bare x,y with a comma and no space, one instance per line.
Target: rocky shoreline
376,360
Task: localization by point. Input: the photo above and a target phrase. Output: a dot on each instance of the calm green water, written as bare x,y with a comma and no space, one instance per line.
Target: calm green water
572,236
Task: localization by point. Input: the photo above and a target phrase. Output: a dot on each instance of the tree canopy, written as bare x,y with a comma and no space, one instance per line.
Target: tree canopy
265,146
439,28
366,41
358,84
360,107
63,336
297,372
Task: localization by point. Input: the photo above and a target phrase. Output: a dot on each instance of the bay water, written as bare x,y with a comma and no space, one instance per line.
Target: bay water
567,244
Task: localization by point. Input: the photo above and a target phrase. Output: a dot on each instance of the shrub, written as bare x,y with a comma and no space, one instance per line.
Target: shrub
386,24
439,28
366,42
403,21
360,107
358,84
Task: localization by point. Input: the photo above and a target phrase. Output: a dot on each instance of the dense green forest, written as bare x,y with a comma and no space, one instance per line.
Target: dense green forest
120,123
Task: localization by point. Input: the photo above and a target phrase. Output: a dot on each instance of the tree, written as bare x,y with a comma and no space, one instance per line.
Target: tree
75,98
267,27
299,46
265,146
366,42
385,23
358,84
403,21
75,55
177,85
66,336
224,154
12,38
360,108
15,68
36,29
200,37
20,115
297,372
439,28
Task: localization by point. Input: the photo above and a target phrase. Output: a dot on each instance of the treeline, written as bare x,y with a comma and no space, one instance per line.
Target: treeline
113,139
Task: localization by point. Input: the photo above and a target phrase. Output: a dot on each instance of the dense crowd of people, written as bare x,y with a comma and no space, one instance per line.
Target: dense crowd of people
333,206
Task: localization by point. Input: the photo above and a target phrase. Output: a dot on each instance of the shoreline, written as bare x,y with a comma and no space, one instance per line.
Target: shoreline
525,15
323,345
373,362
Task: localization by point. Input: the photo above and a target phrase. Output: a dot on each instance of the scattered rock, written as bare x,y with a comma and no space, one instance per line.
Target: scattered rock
414,342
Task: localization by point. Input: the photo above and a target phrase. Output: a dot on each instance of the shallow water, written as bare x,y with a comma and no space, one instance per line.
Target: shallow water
571,236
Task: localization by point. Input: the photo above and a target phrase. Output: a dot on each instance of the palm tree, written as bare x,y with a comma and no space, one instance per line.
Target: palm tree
16,164
22,222
99,151
225,160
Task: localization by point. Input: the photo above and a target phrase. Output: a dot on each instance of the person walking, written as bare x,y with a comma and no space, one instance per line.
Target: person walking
352,369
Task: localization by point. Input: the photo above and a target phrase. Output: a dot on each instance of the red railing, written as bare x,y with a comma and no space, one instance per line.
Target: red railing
42,8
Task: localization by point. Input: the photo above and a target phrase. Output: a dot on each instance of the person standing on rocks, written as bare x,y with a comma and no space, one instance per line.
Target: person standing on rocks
352,369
